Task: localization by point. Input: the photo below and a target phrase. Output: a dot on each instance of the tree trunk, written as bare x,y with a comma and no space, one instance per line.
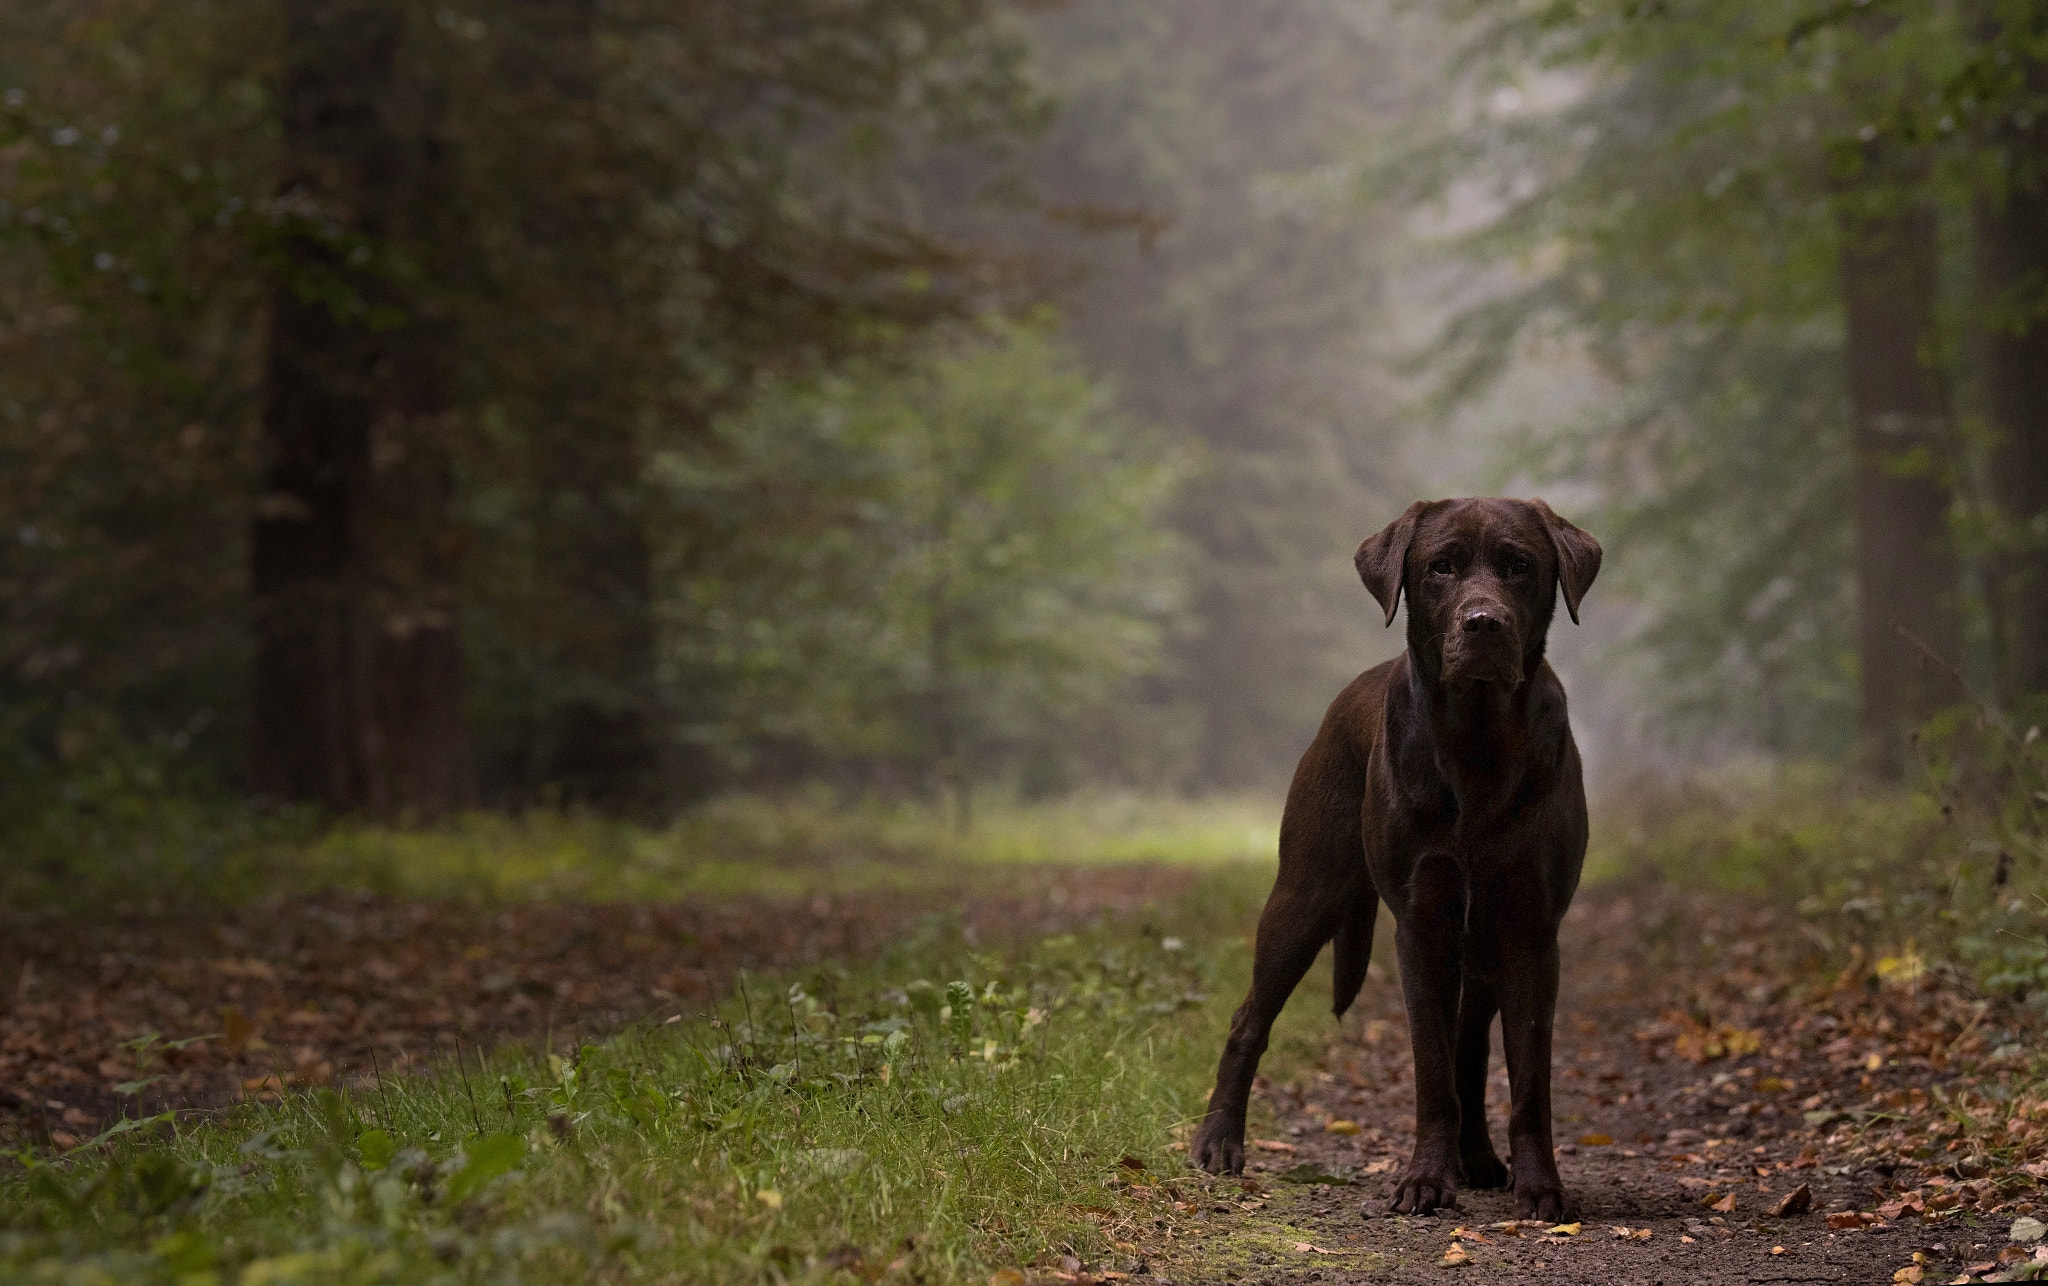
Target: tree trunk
599,747
1899,401
358,675
2012,274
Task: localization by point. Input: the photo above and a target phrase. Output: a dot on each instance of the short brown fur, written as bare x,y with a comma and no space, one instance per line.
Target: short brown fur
1445,783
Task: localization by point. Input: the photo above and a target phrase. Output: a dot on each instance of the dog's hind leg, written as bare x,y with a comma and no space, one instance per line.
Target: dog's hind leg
1292,929
1322,864
1351,949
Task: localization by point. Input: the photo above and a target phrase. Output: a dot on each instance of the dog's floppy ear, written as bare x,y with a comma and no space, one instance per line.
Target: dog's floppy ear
1384,556
1578,558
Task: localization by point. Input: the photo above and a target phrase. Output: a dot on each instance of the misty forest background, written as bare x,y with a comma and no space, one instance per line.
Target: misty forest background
410,408
768,561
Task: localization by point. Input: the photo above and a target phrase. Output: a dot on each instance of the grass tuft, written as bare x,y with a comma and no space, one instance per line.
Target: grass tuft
943,1111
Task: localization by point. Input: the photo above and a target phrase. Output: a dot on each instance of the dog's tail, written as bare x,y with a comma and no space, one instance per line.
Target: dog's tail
1352,950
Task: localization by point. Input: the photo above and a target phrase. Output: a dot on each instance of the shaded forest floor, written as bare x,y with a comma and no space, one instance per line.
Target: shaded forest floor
1723,1115
293,994
1732,1105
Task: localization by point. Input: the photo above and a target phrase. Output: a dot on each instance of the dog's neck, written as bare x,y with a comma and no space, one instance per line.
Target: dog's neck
1483,736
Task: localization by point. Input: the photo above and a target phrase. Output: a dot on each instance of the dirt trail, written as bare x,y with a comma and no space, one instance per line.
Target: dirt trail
1659,1113
312,991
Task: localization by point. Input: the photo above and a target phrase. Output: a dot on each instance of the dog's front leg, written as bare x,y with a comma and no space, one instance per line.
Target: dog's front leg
1479,1164
1429,937
1528,996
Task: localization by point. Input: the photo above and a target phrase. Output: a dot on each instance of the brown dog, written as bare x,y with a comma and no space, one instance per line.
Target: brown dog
1446,783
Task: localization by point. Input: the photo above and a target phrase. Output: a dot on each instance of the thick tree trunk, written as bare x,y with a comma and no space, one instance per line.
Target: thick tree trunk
2012,297
358,692
1905,564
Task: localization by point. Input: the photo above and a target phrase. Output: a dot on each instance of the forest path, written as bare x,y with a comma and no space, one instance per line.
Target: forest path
1697,1088
336,989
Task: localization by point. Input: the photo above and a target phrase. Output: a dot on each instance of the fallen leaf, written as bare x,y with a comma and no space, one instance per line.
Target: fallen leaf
1842,1220
1130,1163
1725,1205
1343,1127
1796,1202
1273,1145
1595,1141
1006,1277
1910,1275
1566,1229
1630,1234
1455,1257
2026,1228
770,1198
1777,1250
1899,1207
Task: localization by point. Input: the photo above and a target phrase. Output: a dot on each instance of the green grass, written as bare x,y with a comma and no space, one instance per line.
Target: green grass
1874,872
118,845
958,1110
750,845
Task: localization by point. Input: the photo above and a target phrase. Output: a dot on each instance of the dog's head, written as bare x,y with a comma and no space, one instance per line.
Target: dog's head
1482,578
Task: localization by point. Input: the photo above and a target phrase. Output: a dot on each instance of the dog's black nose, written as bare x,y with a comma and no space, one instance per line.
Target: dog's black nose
1483,622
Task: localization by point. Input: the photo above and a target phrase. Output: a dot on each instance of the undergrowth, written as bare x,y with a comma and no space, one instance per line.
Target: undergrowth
1952,868
116,838
954,1110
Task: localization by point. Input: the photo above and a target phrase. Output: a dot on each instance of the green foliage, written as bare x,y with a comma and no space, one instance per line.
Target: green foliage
632,211
104,842
1657,182
946,566
135,159
1237,294
114,824
953,1109
1667,187
1957,871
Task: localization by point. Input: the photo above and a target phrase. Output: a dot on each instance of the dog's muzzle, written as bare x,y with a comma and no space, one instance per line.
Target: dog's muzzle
1483,647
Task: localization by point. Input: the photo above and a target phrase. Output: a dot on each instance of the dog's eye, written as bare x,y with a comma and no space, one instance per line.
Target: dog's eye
1518,566
1441,567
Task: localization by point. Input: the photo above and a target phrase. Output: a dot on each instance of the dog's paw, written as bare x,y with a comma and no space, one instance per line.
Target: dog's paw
1483,1170
1218,1146
1420,1193
1548,1202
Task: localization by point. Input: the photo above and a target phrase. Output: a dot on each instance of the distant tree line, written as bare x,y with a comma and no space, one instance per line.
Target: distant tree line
1808,245
409,406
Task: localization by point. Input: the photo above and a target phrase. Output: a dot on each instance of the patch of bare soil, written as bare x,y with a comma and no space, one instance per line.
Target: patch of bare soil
1722,1119
95,1016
